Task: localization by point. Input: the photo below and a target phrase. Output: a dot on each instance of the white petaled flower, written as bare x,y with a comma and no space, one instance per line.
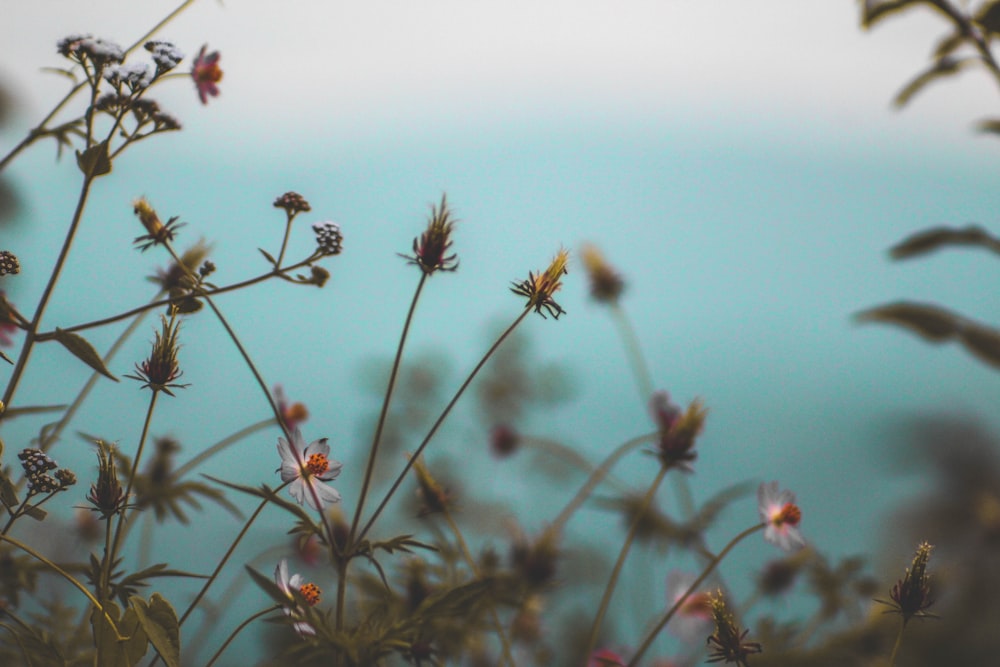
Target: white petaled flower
309,591
307,467
693,620
781,515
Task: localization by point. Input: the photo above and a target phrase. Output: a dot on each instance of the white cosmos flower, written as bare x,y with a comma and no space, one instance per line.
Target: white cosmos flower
307,467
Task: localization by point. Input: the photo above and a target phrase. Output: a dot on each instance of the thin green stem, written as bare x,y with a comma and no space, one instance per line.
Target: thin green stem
284,240
691,589
895,647
376,440
237,631
221,445
571,456
440,420
596,478
622,555
65,575
633,350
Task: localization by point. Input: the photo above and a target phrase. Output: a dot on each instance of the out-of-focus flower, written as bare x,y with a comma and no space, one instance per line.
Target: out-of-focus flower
504,440
430,248
134,75
604,657
165,55
678,430
309,591
83,48
540,288
694,616
781,516
434,497
329,240
293,203
535,561
911,595
8,263
729,644
159,370
106,495
605,283
779,575
306,467
36,465
292,414
158,232
206,73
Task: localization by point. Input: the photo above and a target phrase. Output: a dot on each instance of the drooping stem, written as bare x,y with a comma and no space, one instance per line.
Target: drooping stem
647,499
691,589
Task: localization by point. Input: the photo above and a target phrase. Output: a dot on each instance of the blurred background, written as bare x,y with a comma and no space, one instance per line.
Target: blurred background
738,162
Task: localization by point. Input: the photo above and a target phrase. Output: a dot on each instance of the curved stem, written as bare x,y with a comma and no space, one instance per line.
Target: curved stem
620,563
237,631
691,589
440,420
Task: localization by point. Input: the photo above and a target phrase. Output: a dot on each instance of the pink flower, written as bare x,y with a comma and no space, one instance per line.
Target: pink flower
206,73
605,658
306,467
309,591
292,414
781,515
693,621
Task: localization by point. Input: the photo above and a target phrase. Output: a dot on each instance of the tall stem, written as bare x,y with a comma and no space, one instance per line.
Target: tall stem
237,631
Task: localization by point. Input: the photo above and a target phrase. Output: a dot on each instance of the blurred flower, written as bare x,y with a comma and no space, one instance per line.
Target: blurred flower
781,515
8,263
329,240
291,414
535,561
911,595
305,466
504,440
158,232
678,430
728,643
433,496
106,495
309,591
779,575
293,203
605,283
206,73
81,48
605,658
540,288
36,465
693,617
159,370
135,75
165,55
430,247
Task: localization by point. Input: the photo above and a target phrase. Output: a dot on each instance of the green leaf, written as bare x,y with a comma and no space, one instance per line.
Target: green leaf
6,358
872,12
36,513
267,493
268,585
937,237
930,322
159,621
271,260
983,342
8,492
943,67
110,650
83,351
95,160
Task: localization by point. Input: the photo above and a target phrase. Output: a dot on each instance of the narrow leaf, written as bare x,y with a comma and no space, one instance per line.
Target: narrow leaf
983,342
95,160
932,239
159,621
268,585
942,68
930,322
6,358
83,351
8,493
268,257
988,17
36,513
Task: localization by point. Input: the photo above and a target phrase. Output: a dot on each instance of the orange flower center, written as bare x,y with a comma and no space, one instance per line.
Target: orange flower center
789,513
317,464
311,593
209,73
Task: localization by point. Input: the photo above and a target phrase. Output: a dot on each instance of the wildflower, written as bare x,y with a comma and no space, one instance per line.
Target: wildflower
430,248
206,73
504,440
678,431
293,203
106,495
137,76
540,288
165,55
329,240
291,414
781,515
434,497
310,593
305,466
8,263
81,48
694,614
728,643
160,369
605,658
174,279
158,232
605,283
36,465
911,595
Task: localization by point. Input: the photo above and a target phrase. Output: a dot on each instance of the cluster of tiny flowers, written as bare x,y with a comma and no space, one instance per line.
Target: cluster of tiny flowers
36,465
293,203
137,76
165,55
329,240
8,263
86,47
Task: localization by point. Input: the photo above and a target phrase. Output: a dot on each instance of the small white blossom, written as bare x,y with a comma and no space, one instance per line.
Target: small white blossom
781,516
292,610
306,467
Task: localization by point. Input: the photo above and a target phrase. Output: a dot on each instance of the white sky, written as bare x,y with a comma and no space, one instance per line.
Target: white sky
361,64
